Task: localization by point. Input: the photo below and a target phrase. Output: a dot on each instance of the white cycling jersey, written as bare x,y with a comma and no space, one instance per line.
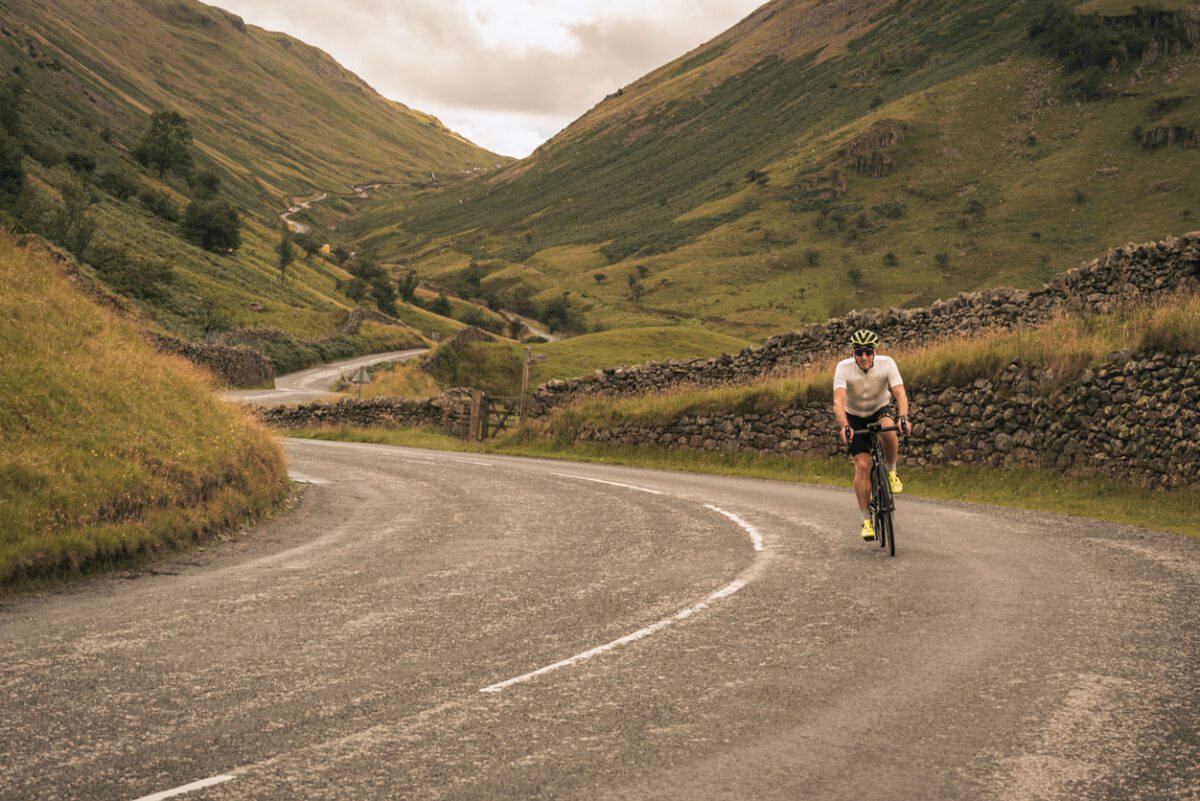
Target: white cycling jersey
867,391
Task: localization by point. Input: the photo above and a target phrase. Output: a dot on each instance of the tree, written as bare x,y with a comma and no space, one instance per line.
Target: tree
81,163
635,287
600,277
71,226
408,287
379,283
212,317
206,185
166,144
286,252
213,225
441,305
307,243
12,167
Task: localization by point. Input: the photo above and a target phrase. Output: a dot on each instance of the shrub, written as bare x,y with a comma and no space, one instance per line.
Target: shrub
159,204
213,225
118,183
131,275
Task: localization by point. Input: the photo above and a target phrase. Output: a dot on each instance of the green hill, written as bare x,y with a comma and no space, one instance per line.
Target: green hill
821,156
271,119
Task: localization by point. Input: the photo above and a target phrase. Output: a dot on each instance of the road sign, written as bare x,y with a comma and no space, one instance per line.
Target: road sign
362,376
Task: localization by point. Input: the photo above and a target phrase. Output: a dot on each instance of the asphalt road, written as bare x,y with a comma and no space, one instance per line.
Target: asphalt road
383,640
315,383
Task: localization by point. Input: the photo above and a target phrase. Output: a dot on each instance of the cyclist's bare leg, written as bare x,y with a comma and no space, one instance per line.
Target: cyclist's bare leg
891,443
862,479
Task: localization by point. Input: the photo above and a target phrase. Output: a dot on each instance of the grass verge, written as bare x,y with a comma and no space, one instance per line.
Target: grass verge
1022,488
108,449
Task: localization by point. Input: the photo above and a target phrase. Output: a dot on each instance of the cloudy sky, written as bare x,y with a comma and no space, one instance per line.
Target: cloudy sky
506,74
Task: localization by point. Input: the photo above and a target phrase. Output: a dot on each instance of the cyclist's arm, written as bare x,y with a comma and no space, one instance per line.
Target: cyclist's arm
839,407
901,400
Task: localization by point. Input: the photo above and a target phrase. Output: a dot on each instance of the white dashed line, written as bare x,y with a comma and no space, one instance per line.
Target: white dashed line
187,788
610,483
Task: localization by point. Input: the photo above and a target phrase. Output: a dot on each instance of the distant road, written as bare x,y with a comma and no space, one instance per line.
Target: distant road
430,625
315,383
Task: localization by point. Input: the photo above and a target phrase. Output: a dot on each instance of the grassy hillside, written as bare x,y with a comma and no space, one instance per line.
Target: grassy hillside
822,156
269,118
108,449
275,116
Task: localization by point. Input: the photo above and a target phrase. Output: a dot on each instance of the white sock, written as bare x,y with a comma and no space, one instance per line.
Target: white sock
866,513
891,468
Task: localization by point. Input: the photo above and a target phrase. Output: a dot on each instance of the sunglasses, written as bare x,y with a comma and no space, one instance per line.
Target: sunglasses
864,351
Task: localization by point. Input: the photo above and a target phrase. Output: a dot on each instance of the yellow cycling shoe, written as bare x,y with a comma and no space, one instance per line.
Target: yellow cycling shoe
894,482
868,531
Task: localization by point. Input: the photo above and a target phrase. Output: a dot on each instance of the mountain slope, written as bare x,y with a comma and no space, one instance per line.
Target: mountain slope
823,155
276,114
270,119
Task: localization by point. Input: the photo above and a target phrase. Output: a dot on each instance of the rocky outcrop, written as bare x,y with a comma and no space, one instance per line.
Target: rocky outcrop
236,366
1133,417
867,153
1167,135
1130,274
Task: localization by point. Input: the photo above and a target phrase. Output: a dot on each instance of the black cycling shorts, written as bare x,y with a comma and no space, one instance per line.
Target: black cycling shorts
863,444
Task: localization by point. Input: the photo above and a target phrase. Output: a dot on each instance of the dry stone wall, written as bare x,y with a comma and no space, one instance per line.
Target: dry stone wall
237,366
1129,274
1132,418
450,413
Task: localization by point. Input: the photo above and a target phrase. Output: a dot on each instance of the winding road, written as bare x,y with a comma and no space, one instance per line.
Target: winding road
315,383
428,625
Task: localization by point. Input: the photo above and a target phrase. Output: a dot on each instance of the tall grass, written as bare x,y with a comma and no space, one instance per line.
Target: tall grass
108,448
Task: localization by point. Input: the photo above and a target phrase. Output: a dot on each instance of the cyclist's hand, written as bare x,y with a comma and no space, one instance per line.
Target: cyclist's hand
847,434
905,426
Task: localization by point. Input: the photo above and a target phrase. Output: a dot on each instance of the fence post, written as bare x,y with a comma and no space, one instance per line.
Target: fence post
476,408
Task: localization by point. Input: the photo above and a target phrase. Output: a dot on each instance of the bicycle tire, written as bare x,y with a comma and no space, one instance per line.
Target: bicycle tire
881,504
889,530
886,505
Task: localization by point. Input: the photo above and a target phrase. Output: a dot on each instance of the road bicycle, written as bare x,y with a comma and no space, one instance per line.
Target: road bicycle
882,504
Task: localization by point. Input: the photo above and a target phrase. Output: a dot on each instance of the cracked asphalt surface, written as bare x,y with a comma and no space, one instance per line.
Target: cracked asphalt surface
340,650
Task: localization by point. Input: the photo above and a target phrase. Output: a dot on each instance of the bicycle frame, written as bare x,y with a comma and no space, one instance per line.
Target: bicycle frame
882,503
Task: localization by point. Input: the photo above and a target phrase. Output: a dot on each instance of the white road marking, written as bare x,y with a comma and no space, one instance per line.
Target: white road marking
187,788
755,537
683,614
610,483
304,478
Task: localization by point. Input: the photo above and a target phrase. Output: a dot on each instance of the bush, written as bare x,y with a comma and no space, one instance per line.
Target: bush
131,275
81,163
213,225
159,204
118,183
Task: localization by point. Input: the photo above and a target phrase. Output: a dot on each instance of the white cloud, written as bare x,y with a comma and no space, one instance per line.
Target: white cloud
506,74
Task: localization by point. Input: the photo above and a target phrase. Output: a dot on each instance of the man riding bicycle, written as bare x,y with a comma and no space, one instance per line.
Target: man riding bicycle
863,388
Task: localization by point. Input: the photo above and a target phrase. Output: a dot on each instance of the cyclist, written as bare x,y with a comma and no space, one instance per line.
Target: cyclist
863,389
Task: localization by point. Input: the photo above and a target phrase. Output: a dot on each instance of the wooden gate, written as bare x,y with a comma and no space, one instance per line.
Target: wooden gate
491,414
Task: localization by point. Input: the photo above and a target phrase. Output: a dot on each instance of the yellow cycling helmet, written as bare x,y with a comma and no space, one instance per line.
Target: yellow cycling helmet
862,338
